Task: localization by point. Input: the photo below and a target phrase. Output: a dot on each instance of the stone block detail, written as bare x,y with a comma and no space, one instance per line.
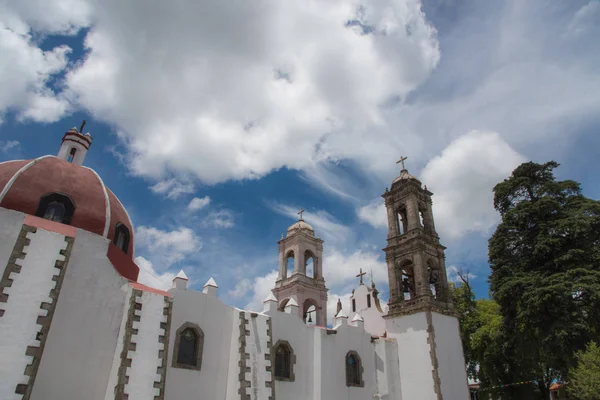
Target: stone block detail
47,308
18,253
432,353
133,315
271,355
244,357
165,326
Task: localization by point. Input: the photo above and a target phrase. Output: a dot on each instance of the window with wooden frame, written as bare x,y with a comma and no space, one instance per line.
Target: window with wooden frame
189,343
284,360
354,370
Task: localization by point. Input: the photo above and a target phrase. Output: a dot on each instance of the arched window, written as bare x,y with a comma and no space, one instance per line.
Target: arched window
57,207
189,342
284,361
354,370
121,239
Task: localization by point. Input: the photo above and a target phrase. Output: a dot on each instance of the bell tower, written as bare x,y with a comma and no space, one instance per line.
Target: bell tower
303,280
421,314
414,256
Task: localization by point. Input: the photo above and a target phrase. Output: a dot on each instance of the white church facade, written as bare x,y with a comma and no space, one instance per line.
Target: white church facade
76,325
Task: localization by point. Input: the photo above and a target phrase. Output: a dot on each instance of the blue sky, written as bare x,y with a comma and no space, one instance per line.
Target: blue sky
214,123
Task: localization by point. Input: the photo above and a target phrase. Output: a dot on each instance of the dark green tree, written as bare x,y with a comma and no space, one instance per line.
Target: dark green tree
584,379
545,272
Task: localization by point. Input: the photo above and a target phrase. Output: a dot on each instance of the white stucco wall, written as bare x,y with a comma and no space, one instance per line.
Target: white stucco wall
410,331
289,327
216,321
30,287
450,357
83,336
144,360
333,363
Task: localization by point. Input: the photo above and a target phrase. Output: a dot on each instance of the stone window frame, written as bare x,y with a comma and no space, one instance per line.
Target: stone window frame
292,376
61,198
360,370
199,349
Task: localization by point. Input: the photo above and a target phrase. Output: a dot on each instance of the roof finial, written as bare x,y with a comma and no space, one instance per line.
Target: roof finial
300,213
401,161
82,125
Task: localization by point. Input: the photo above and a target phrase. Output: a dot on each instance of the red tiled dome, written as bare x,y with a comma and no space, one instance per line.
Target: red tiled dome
97,209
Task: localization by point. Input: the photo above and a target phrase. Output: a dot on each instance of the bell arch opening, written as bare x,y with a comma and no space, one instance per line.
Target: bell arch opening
406,282
311,312
309,264
290,261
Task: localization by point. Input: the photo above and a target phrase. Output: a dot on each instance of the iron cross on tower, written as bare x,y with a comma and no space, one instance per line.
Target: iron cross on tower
300,213
401,161
361,276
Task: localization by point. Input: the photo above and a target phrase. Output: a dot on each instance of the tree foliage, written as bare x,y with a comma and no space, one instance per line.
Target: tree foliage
584,379
545,272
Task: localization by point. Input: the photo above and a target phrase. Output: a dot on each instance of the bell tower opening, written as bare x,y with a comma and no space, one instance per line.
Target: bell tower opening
300,272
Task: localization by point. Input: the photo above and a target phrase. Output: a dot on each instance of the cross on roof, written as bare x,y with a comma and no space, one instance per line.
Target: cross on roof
401,161
361,276
300,213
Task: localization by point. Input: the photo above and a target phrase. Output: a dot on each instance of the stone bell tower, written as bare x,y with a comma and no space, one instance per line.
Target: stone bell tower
307,287
421,311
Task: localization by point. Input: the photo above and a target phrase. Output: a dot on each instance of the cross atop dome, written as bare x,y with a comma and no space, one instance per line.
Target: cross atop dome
401,161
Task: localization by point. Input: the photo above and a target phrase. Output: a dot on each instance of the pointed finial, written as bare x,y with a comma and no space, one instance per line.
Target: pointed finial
339,306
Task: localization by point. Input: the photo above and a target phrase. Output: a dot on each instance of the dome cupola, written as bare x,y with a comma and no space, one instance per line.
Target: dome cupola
61,189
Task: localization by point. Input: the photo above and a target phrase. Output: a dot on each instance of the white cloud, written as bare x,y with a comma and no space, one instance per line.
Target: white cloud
198,203
374,214
241,94
222,219
463,177
166,248
149,277
5,147
340,268
241,289
325,224
261,287
172,188
25,73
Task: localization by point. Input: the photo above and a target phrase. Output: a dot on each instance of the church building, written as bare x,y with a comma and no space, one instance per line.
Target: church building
76,325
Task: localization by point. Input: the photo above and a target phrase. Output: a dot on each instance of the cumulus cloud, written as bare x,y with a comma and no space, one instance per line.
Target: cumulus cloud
198,203
374,214
340,268
25,74
172,188
150,277
463,177
229,100
166,248
261,287
222,219
6,147
325,224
